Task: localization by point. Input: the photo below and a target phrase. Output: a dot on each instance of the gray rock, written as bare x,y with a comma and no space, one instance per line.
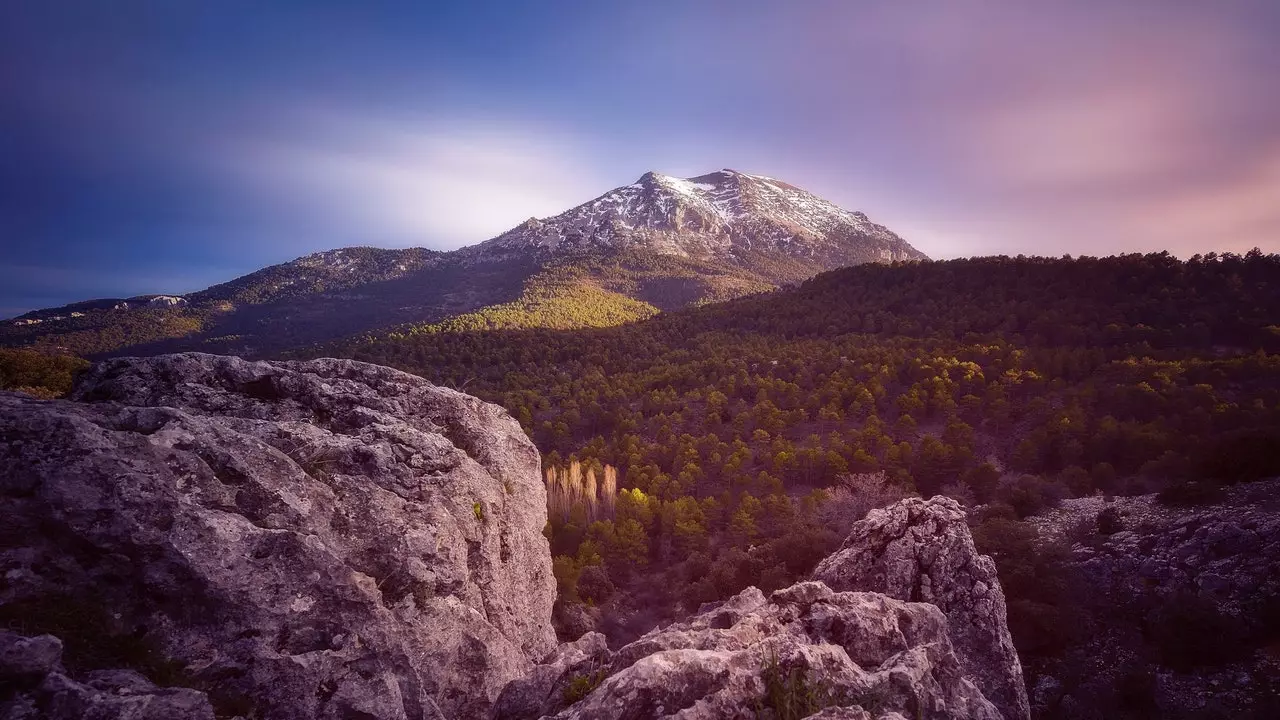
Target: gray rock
33,684
921,551
573,620
316,539
848,655
550,686
29,659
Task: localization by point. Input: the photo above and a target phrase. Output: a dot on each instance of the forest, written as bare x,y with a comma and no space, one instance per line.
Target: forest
744,437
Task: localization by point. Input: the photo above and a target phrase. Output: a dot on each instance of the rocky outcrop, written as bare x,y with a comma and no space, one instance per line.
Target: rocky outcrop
1182,603
804,651
322,539
1228,551
921,551
33,684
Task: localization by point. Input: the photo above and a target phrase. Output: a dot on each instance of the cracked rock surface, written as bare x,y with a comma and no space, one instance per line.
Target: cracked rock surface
921,551
828,654
321,539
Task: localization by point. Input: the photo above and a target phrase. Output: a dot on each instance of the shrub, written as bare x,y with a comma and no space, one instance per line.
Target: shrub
1189,631
1083,532
790,693
38,374
1109,521
1030,494
1242,456
581,685
853,496
566,571
594,584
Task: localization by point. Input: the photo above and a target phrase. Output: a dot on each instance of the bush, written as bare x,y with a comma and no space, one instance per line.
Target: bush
790,693
38,374
853,496
581,685
594,584
1189,631
1029,494
1242,456
1109,521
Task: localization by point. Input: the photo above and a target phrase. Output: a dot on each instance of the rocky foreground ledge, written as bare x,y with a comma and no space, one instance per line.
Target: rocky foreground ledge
331,539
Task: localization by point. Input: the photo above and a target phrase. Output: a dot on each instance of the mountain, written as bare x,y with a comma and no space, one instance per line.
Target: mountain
657,244
725,215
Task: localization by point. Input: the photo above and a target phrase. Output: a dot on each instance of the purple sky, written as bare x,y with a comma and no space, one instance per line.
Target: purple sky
164,146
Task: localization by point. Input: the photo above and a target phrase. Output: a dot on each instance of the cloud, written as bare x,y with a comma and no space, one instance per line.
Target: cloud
442,184
1241,211
1092,127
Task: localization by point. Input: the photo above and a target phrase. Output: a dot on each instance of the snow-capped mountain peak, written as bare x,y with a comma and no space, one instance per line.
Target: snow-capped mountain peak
717,215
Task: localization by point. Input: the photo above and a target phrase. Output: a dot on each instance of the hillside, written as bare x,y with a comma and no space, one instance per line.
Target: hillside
1004,382
658,244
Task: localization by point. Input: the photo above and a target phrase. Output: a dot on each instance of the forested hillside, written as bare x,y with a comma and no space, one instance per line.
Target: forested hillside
1057,367
743,432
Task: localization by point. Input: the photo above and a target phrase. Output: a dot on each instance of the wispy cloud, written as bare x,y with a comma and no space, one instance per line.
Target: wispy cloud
442,184
1083,127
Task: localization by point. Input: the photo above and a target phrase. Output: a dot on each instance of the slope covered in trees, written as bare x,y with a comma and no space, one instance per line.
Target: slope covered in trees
1005,381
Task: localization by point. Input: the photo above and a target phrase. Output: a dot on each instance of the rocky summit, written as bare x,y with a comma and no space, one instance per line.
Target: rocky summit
194,535
726,214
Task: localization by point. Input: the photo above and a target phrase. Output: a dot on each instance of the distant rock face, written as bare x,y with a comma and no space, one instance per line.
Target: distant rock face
841,655
33,684
323,539
921,551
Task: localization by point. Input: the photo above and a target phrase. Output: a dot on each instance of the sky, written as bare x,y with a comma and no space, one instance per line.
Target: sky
163,146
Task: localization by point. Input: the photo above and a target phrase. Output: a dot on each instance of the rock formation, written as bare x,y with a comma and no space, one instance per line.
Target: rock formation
921,551
316,539
34,684
807,649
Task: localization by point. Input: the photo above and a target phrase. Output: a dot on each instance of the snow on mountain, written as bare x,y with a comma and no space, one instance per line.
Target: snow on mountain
718,215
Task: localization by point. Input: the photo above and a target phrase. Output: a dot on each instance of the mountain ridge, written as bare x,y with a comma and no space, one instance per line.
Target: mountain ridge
657,244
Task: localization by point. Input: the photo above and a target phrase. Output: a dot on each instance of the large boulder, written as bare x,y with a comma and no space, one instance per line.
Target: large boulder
921,551
321,539
805,651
